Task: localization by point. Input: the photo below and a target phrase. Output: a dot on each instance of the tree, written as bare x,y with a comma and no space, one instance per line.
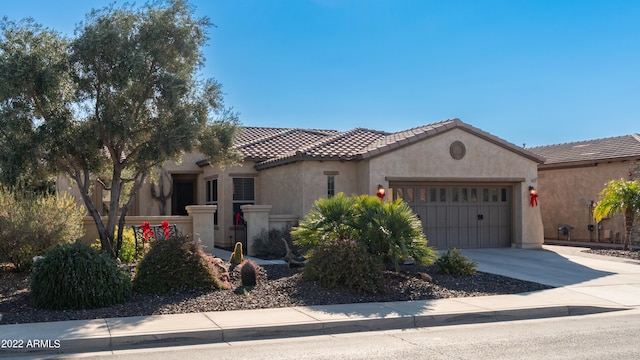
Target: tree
620,196
111,104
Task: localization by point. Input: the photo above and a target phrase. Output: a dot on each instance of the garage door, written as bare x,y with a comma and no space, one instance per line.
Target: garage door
473,216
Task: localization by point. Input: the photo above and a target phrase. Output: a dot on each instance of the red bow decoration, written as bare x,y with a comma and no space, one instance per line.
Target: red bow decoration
533,199
146,230
165,227
238,217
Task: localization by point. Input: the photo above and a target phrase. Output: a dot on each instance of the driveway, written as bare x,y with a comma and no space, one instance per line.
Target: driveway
612,279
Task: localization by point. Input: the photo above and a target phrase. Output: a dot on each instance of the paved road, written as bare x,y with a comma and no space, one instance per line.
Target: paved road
602,336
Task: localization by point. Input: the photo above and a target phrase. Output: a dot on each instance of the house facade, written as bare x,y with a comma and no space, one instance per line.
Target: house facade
571,179
469,188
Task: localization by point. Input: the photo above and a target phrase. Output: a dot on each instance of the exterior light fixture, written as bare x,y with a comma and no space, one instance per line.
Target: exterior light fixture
533,196
380,192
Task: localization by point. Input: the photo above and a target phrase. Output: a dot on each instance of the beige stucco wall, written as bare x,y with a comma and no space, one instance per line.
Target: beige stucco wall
484,161
564,194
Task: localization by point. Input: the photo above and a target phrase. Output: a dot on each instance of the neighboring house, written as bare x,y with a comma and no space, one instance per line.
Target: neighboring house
571,179
469,188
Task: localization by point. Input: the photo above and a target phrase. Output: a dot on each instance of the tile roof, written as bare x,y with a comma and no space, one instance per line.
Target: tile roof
590,151
263,143
270,147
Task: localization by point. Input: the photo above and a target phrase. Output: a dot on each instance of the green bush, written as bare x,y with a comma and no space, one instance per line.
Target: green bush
389,230
269,245
128,253
31,224
345,263
176,265
77,276
453,262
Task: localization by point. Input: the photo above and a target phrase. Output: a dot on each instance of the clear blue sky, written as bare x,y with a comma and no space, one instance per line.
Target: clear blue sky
536,72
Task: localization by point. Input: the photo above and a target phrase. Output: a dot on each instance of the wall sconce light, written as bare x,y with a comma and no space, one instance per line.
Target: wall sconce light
533,196
380,192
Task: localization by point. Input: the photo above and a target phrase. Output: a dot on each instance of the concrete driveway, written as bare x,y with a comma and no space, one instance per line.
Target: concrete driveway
612,279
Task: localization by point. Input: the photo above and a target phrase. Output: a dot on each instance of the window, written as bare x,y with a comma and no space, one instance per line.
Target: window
212,196
243,194
331,186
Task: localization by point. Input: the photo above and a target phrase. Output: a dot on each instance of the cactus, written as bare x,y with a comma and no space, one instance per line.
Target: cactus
249,273
237,257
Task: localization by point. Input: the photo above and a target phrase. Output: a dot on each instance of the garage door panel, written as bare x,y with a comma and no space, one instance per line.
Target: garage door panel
461,216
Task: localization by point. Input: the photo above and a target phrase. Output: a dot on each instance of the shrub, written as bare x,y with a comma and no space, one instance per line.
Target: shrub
249,273
328,219
175,265
269,245
76,276
345,263
453,262
31,224
389,230
128,251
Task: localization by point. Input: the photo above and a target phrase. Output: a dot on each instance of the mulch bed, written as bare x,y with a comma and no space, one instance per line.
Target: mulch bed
278,286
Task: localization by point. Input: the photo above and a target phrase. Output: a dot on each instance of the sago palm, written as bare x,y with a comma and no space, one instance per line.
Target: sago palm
620,196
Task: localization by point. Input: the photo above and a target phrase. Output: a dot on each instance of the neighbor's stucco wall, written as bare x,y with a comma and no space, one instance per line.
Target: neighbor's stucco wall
484,161
565,193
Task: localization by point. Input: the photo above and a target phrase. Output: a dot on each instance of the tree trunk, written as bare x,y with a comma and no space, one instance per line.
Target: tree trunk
629,219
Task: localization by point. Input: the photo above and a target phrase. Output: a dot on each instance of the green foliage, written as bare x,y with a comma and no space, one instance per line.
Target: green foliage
76,276
237,256
128,253
345,263
389,230
453,262
249,273
31,224
176,265
269,245
115,101
620,196
328,219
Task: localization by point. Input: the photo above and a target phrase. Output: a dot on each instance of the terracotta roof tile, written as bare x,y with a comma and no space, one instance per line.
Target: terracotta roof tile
277,146
590,150
276,142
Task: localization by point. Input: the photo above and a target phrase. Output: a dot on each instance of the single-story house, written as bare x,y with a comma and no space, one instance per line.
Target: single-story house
571,179
469,188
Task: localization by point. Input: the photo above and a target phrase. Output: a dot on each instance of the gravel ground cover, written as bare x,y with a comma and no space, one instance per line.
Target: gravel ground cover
278,286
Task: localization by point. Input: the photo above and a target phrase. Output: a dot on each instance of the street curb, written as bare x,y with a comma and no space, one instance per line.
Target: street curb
217,334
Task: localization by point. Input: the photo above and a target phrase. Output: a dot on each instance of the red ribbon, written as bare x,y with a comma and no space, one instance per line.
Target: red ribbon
165,227
238,220
533,199
146,230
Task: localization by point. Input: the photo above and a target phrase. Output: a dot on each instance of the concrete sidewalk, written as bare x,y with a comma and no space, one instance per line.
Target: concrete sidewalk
587,284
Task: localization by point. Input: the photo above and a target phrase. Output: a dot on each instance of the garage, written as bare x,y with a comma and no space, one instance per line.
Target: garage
464,216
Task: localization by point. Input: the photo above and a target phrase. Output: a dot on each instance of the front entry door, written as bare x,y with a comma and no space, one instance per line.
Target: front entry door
184,193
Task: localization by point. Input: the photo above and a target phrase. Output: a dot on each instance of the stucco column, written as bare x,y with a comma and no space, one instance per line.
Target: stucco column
257,218
203,228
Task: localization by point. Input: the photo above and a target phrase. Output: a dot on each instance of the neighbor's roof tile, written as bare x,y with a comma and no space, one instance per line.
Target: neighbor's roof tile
590,150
